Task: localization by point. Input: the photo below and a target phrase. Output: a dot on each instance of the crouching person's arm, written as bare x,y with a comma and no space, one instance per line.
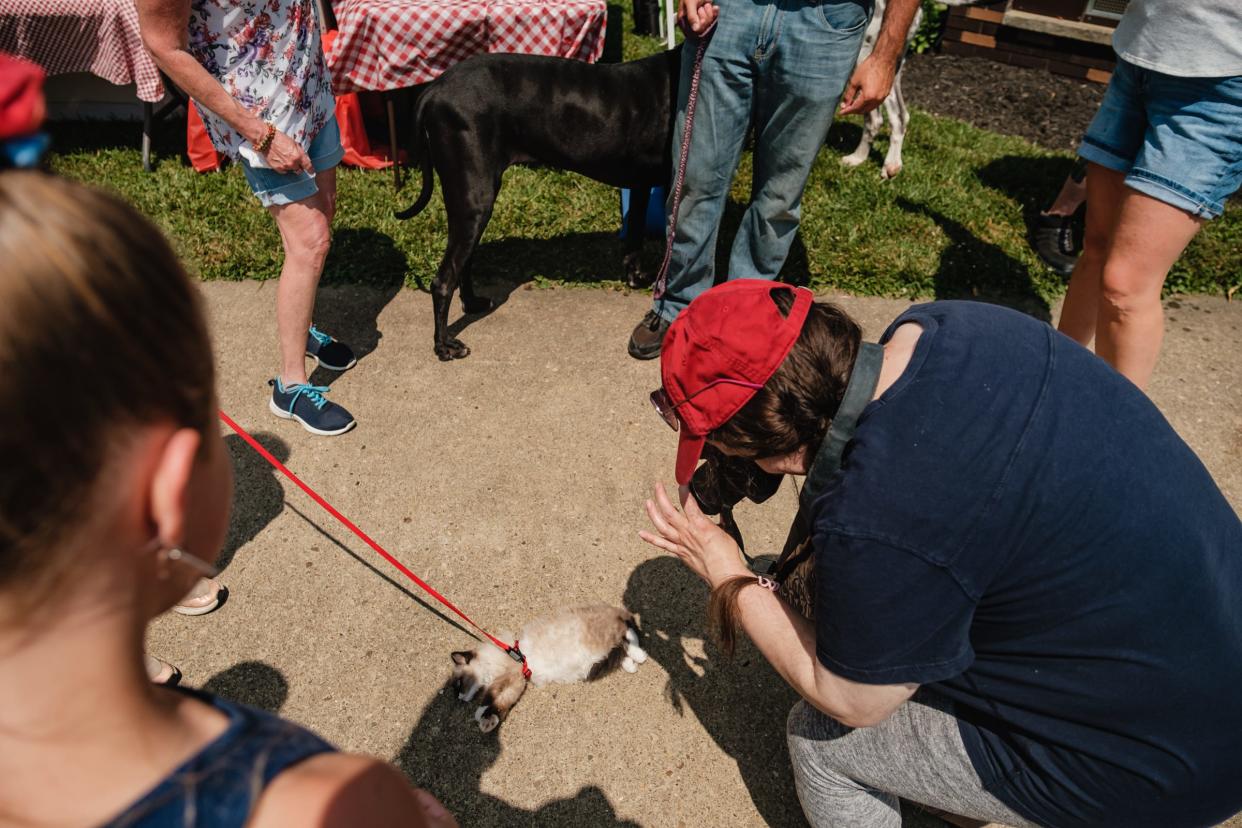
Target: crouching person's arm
786,639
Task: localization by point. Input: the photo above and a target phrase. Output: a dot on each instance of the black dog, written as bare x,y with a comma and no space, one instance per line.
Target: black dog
610,122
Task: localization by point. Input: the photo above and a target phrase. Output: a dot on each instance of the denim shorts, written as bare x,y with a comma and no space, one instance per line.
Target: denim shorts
1178,140
276,188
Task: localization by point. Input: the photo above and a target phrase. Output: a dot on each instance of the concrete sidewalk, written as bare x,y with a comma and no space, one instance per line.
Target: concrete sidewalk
513,482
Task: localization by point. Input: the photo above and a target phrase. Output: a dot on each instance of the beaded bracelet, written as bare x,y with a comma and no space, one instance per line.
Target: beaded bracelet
265,143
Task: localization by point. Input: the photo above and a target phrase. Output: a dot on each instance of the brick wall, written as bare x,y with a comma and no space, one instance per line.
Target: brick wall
978,31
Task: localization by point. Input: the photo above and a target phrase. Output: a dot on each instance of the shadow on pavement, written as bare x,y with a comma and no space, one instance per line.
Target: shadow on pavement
447,755
971,268
257,495
350,307
1032,182
431,608
742,703
253,683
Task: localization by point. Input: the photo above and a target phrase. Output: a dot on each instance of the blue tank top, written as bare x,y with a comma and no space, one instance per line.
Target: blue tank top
219,786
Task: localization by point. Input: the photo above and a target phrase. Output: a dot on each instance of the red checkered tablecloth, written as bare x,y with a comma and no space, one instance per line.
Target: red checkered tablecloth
392,44
97,36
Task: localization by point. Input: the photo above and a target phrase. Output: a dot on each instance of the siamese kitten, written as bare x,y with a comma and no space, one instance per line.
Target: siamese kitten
578,644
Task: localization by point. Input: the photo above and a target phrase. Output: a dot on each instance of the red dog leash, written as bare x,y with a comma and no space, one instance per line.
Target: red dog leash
513,651
680,179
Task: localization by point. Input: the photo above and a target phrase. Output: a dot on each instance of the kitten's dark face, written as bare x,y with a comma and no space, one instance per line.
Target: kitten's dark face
492,694
463,675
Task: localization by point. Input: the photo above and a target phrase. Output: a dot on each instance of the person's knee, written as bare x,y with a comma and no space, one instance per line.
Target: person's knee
311,240
1095,241
1124,293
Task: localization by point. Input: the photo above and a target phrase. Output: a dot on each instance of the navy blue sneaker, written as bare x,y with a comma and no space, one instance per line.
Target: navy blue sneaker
307,404
328,352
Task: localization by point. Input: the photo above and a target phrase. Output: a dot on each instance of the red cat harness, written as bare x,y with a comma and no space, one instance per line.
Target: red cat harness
513,651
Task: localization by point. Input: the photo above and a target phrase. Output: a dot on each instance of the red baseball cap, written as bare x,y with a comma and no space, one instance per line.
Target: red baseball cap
719,352
21,97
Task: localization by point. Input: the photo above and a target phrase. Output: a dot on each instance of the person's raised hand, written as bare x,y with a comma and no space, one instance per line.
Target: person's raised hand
868,86
286,156
693,537
699,15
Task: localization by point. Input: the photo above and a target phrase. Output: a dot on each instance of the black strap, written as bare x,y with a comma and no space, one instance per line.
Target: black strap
858,393
864,377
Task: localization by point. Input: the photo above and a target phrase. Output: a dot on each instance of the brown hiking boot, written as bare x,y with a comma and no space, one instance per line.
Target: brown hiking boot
646,339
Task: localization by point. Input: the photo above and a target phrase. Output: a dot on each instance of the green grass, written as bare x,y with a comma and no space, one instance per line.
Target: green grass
953,224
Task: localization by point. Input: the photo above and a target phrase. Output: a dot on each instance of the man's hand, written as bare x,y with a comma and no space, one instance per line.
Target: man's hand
869,85
693,537
873,78
698,14
286,156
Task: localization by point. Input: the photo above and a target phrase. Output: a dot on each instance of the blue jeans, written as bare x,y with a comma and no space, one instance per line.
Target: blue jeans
1176,139
782,64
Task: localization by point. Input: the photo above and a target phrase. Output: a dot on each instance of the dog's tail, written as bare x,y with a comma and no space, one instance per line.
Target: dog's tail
423,150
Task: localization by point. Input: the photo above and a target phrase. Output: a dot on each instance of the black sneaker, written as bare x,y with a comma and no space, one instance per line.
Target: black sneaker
306,404
1058,241
328,352
647,338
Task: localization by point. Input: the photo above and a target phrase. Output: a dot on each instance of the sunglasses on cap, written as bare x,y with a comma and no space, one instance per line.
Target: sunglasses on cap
668,411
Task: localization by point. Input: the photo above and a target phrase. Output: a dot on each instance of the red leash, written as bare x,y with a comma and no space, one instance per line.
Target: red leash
679,179
513,650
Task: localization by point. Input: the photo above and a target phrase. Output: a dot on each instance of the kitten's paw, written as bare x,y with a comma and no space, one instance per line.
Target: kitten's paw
628,665
638,654
487,723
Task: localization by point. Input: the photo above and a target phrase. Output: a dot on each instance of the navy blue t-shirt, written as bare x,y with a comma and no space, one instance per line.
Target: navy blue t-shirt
1017,528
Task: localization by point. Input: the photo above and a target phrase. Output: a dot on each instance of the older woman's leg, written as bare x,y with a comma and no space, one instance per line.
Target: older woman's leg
1105,189
306,233
850,777
1149,237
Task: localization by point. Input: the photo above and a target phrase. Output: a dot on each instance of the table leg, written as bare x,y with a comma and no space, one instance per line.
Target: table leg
393,152
146,135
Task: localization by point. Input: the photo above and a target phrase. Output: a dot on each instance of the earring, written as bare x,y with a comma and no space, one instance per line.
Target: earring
179,555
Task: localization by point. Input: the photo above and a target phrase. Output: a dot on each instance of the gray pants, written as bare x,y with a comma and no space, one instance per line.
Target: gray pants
850,777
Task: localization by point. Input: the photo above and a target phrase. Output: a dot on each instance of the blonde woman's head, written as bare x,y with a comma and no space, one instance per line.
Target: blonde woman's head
107,428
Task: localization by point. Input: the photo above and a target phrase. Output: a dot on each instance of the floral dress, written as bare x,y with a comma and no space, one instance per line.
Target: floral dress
267,55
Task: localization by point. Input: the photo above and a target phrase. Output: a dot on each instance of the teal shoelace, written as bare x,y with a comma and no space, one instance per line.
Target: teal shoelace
314,393
319,336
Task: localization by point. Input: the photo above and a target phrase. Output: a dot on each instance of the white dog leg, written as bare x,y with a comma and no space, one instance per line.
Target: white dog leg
871,127
898,120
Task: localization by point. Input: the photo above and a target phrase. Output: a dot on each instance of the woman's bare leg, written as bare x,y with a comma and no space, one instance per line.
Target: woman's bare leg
306,232
1105,189
1150,236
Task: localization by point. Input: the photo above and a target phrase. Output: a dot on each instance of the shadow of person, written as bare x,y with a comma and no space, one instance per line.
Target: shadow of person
501,266
1032,182
354,294
447,755
257,495
971,268
253,683
742,703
